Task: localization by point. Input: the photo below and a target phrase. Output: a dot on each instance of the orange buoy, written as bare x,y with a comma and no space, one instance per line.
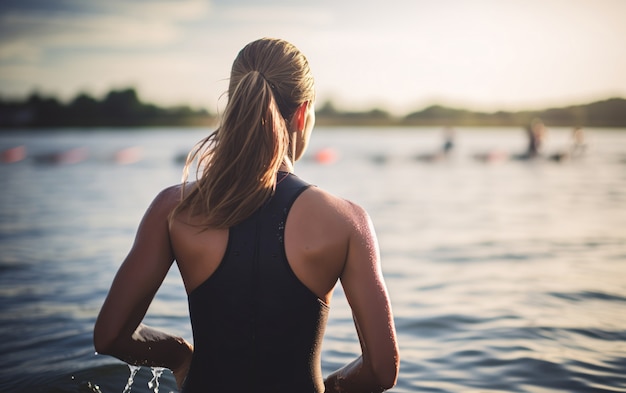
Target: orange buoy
326,155
13,154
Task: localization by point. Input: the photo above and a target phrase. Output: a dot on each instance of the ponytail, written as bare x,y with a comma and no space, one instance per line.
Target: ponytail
237,163
242,157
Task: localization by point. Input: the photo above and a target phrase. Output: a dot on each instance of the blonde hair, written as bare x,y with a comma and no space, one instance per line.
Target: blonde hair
238,162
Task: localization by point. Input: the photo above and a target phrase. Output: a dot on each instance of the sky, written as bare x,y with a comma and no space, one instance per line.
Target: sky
396,55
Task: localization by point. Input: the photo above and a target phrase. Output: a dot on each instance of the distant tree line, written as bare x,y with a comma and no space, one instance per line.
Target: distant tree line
607,113
117,108
124,108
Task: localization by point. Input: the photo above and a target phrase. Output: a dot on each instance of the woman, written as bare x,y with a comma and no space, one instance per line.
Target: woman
259,251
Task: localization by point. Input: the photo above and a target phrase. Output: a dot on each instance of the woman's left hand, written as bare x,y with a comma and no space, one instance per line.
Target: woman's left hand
180,373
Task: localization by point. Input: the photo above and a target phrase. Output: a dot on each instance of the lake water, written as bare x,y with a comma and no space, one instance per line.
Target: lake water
505,276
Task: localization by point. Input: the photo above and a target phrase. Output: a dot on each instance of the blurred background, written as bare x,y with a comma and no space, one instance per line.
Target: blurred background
487,140
400,57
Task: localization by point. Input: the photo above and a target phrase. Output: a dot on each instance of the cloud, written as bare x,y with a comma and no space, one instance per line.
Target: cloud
281,14
179,10
19,51
485,51
28,34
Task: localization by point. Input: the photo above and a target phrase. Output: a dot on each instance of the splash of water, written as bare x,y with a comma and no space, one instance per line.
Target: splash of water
131,377
154,382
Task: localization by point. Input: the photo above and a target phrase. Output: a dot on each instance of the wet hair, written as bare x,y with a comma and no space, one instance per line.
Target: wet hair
238,162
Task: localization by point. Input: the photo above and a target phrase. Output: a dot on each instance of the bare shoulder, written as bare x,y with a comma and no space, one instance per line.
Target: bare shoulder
166,200
171,193
321,203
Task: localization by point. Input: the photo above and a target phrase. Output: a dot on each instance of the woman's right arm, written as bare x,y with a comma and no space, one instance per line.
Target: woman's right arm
118,330
376,369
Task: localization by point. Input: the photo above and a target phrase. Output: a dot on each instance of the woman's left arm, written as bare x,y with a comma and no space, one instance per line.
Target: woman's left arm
118,331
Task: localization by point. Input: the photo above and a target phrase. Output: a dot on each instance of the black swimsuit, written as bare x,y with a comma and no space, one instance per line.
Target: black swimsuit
256,327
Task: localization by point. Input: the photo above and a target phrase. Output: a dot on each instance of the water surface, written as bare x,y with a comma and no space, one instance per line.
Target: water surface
505,276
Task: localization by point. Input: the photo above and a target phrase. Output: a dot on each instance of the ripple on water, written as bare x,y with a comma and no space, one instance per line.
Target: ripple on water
461,352
588,295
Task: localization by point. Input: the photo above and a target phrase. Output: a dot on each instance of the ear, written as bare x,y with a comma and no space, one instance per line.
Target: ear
299,117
